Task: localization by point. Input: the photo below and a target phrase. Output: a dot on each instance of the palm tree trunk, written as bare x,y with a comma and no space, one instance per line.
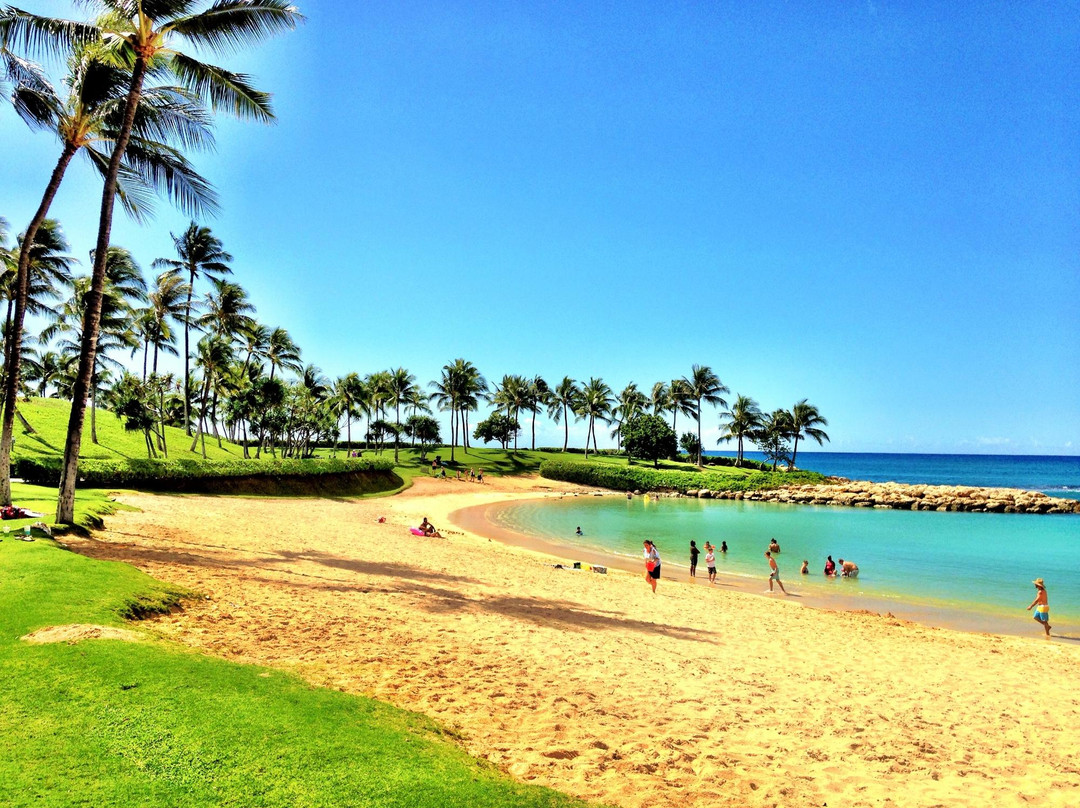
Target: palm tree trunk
453,427
699,447
93,410
397,432
65,507
187,355
566,427
534,431
587,433
795,450
13,343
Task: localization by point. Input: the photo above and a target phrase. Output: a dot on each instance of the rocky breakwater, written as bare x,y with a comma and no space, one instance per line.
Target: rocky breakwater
898,496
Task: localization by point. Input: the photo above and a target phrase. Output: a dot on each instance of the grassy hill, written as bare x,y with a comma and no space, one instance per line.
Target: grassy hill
49,419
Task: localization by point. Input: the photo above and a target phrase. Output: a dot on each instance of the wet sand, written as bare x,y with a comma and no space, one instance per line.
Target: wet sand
695,696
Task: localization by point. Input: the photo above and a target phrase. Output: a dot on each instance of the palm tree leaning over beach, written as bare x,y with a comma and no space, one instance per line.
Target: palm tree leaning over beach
146,37
739,423
805,423
706,388
86,120
564,401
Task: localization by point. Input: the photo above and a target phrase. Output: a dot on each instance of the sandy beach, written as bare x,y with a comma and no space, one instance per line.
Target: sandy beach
695,696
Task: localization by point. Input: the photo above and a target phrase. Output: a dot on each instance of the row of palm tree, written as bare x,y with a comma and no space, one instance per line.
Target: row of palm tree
132,132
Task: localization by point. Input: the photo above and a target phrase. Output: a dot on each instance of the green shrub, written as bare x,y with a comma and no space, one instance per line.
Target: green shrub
181,474
632,478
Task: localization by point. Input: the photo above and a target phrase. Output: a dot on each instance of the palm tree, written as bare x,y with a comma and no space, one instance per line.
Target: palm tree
48,369
402,385
167,304
771,436
513,394
595,404
145,36
201,254
228,310
346,399
214,356
805,420
658,398
537,394
680,399
631,402
282,353
564,401
706,387
740,422
457,391
86,120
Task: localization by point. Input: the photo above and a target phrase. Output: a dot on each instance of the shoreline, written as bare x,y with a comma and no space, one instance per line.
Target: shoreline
476,519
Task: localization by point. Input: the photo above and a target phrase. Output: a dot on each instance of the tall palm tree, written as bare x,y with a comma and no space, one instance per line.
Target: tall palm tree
631,402
595,404
402,385
167,305
706,388
282,353
658,398
565,400
739,423
227,310
680,399
457,391
378,384
513,394
200,254
86,120
537,393
214,356
805,423
147,37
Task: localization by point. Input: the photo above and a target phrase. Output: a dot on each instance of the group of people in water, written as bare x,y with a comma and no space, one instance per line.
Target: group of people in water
843,569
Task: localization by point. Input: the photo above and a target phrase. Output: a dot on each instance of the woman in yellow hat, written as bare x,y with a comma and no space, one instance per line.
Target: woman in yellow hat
1041,605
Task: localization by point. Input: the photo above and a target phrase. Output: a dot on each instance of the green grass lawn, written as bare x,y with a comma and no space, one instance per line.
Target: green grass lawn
49,418
112,723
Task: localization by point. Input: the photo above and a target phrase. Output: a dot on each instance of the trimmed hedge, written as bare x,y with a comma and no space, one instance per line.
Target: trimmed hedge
193,475
633,478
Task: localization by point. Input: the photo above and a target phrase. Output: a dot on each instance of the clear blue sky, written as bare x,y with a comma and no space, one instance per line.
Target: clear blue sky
875,206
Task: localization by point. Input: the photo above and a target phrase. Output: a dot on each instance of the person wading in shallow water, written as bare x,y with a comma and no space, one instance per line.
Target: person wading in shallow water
774,573
1041,605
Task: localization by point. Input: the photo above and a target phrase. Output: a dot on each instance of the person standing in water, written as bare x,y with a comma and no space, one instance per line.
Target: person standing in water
710,562
652,564
694,553
1041,605
774,573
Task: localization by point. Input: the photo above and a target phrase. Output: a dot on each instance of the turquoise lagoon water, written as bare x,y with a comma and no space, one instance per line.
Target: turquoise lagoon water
977,562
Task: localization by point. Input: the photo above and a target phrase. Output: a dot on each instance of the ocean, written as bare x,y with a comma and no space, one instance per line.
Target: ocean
975,564
1055,475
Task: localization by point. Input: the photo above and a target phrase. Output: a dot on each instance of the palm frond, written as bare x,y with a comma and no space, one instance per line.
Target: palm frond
229,25
171,113
223,89
43,35
165,169
136,198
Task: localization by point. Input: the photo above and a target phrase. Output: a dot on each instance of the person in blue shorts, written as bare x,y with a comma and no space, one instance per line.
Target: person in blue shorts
1041,605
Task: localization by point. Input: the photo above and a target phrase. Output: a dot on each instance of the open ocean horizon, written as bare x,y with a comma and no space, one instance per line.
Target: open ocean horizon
1055,475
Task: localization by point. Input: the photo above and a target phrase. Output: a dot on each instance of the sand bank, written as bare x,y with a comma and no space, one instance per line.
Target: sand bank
696,696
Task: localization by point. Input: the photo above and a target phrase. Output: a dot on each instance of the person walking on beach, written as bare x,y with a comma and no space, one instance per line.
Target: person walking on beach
710,562
1041,605
652,564
694,553
774,573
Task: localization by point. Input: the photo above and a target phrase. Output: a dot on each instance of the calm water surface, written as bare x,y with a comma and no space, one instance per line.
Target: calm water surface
972,561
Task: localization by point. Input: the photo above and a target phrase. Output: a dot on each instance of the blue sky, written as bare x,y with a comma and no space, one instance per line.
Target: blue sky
870,205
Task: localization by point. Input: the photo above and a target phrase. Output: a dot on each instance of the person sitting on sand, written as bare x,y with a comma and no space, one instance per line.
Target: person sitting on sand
805,570
428,529
774,573
1041,605
830,567
849,569
652,564
774,547
710,562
